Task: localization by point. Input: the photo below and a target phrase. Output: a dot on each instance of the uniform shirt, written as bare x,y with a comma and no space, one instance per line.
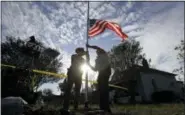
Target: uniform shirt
76,63
102,62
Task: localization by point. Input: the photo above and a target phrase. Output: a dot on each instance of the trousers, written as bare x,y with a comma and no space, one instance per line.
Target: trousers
72,79
103,88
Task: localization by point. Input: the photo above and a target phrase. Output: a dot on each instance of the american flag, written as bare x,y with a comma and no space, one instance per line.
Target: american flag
98,26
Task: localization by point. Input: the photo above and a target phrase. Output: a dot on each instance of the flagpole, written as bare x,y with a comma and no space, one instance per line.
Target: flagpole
87,42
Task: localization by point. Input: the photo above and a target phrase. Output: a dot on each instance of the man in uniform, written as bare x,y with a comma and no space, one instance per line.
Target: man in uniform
74,77
102,65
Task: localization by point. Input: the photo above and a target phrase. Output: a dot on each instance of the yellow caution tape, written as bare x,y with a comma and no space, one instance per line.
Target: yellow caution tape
40,71
8,65
111,85
50,73
61,76
115,86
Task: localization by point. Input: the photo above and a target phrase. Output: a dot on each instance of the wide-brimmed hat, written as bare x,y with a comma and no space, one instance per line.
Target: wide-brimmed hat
80,49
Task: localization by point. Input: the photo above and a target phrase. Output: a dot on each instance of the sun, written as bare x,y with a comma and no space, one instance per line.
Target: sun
85,68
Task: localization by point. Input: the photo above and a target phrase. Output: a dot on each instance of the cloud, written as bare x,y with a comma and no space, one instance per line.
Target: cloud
135,32
131,27
57,24
66,60
158,26
161,34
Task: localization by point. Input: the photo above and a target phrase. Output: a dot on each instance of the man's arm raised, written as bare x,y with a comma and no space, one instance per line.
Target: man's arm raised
93,47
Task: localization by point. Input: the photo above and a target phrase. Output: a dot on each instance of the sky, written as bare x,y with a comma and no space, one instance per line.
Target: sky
158,26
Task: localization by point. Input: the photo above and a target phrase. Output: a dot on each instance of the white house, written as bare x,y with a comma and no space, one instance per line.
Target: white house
145,81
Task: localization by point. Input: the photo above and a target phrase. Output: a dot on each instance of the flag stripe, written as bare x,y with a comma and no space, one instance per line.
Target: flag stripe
117,29
94,26
100,30
114,28
100,25
97,26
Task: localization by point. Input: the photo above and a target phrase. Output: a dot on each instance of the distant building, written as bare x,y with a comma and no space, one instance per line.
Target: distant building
142,83
181,86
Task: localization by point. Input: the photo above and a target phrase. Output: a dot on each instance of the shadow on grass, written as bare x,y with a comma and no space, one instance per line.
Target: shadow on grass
138,109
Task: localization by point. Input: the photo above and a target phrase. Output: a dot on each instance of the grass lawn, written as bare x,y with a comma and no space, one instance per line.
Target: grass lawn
149,109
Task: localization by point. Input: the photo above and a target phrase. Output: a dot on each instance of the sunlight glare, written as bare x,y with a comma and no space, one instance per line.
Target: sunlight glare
85,68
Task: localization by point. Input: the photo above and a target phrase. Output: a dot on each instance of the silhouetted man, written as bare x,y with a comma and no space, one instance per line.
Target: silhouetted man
74,77
32,47
32,42
102,65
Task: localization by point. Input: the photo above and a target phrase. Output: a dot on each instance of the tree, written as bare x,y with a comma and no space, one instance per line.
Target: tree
62,86
180,57
125,55
47,92
15,52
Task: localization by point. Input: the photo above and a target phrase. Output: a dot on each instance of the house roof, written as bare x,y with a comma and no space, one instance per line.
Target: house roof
133,72
156,71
